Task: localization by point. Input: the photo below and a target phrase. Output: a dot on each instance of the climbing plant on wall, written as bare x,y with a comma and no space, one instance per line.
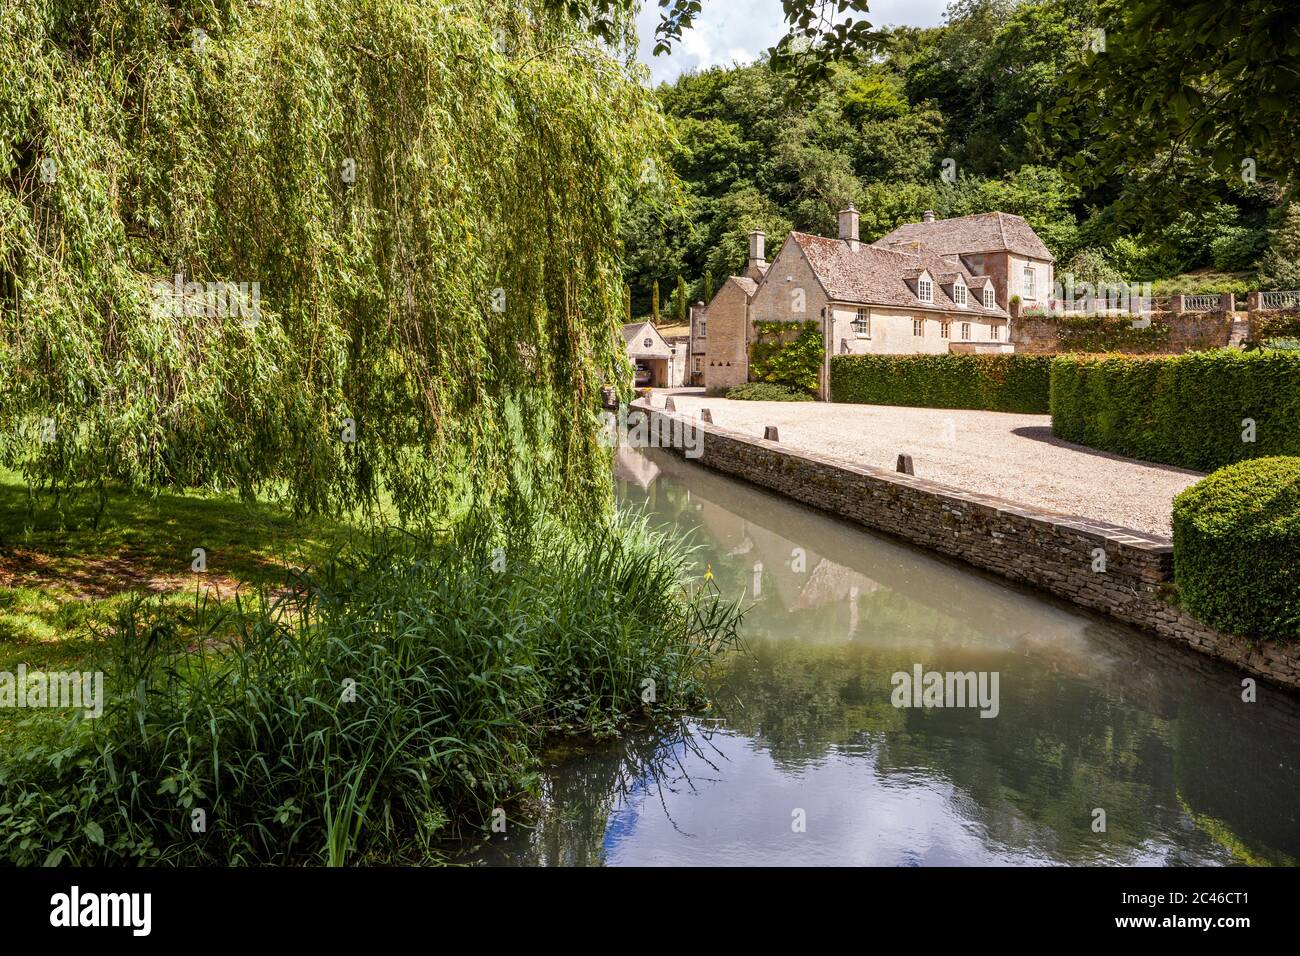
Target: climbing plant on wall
787,353
415,201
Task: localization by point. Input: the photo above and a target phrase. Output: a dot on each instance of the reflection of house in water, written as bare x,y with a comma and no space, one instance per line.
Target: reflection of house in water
631,465
829,581
936,604
802,578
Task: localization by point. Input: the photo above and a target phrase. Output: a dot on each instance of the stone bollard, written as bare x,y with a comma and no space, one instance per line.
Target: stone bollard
668,404
905,465
770,433
706,416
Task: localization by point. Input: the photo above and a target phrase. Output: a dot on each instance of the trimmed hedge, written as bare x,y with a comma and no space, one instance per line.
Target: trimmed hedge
999,383
1237,548
1186,410
767,392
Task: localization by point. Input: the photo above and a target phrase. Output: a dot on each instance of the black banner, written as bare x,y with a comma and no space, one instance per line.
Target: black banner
337,906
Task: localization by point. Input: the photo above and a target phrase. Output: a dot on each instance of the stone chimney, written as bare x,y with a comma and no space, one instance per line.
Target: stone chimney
927,216
849,226
756,251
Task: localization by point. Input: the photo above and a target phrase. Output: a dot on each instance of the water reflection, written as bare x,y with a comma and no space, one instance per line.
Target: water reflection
1092,715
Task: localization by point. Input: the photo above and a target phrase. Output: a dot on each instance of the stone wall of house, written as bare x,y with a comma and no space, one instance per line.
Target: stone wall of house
724,360
995,265
1007,271
892,331
1044,276
1051,552
791,292
1188,332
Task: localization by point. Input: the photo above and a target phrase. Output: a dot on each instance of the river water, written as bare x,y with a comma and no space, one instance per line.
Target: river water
1108,746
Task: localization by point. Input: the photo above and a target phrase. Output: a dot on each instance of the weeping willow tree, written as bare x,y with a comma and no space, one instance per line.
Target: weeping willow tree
330,250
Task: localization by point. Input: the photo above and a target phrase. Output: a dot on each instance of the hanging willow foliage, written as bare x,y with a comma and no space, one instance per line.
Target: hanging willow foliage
379,169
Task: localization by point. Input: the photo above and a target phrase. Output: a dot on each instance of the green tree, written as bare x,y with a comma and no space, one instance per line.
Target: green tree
1176,82
1280,266
131,152
679,303
654,302
1089,265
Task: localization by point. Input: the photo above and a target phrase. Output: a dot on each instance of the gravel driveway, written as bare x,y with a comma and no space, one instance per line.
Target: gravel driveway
997,453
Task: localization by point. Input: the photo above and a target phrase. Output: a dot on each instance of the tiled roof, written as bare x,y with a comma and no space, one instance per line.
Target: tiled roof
984,232
749,285
875,276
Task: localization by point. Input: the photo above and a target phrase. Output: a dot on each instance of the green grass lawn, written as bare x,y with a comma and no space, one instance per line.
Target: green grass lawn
63,576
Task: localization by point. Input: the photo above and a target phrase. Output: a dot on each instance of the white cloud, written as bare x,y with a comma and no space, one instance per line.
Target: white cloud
737,31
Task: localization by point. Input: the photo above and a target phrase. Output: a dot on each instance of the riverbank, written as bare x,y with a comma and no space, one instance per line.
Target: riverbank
1122,572
364,710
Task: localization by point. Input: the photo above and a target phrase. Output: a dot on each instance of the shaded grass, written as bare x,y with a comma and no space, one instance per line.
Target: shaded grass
71,565
67,569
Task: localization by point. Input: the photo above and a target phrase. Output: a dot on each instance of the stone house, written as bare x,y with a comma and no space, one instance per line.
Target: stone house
927,287
650,354
720,330
678,337
660,355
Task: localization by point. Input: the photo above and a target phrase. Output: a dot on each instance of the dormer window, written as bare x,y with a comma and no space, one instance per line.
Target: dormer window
959,292
988,297
924,289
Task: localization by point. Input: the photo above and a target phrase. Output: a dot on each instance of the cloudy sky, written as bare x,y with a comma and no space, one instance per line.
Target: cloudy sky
736,31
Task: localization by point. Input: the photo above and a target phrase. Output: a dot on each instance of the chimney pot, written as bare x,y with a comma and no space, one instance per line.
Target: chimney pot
756,250
927,216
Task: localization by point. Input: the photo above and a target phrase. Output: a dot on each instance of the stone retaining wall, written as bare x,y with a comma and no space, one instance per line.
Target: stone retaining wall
1050,551
1274,323
1188,332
